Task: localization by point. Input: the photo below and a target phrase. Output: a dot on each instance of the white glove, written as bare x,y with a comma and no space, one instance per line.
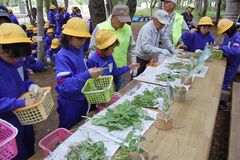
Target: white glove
34,88
134,72
198,51
165,52
48,60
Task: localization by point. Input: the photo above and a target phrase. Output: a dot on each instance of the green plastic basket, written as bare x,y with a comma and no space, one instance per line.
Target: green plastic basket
217,54
99,90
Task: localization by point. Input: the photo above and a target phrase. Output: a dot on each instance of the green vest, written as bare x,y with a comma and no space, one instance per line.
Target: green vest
177,28
120,53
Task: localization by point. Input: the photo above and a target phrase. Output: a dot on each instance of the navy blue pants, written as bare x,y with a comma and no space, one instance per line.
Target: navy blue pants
25,138
70,111
229,74
119,82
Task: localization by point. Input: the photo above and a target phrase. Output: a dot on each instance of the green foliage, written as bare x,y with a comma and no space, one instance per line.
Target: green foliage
164,77
87,150
179,65
115,2
121,117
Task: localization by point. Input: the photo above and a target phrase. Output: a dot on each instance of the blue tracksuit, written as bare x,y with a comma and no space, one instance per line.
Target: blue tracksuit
47,42
13,83
59,18
34,64
71,75
34,47
76,15
231,50
52,53
98,60
196,40
13,19
29,34
51,17
66,16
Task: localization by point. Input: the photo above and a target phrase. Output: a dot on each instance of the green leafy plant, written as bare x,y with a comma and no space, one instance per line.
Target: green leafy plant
164,77
87,150
179,65
121,117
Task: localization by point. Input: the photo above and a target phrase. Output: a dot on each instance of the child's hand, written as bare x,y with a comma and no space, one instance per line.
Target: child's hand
29,102
134,66
95,72
193,30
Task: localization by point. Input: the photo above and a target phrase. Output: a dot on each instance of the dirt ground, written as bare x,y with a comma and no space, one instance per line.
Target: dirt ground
47,78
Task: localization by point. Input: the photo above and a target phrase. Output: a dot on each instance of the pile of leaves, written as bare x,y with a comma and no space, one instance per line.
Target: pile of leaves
130,144
148,98
194,55
179,65
87,150
164,77
121,117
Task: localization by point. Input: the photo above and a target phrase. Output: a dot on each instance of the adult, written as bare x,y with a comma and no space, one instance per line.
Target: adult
117,24
177,26
187,15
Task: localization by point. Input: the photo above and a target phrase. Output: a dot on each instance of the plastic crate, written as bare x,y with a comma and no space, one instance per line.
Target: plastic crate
52,140
116,96
8,146
99,90
217,54
37,112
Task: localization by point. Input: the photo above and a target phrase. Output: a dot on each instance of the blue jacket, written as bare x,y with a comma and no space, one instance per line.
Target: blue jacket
98,60
47,42
196,40
51,52
51,17
231,50
71,73
66,16
13,83
59,18
13,19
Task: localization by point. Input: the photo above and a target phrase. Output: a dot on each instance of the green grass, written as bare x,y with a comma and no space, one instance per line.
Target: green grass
146,12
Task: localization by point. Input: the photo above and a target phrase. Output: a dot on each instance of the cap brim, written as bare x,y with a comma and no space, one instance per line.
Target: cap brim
110,41
124,19
76,34
163,21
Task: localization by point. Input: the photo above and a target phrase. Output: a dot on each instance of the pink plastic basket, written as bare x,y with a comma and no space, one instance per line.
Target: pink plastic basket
8,145
116,96
53,139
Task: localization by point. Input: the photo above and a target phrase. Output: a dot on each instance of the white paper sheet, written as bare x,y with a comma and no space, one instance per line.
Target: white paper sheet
80,135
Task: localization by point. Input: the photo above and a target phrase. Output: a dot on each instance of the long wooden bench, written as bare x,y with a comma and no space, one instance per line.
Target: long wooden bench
234,138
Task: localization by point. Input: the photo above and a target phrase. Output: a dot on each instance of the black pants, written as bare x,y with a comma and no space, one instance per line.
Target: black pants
143,64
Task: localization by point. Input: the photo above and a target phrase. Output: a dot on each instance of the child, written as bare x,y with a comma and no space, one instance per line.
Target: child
14,45
52,51
230,48
197,39
106,41
48,39
29,31
71,73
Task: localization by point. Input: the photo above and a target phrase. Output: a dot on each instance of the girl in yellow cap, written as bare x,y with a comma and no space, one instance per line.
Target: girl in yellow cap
14,46
106,41
71,73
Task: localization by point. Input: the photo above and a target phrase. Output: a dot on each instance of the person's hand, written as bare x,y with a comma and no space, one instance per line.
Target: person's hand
29,102
198,51
48,60
95,72
193,30
134,66
165,52
34,51
216,47
34,88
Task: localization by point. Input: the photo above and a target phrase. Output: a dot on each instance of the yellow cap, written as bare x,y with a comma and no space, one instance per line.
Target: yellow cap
35,30
34,39
76,27
55,43
73,7
61,6
30,28
191,6
52,7
12,33
224,25
50,30
46,25
63,26
205,21
104,39
10,10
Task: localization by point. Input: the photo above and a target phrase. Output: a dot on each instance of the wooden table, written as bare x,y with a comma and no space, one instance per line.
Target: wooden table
193,121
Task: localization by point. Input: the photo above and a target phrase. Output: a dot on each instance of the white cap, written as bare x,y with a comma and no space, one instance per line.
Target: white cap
173,1
162,16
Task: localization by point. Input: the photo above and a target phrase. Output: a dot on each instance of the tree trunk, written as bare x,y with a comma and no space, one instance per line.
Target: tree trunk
29,12
132,4
218,8
97,11
66,4
205,7
232,9
47,6
22,7
40,32
109,7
